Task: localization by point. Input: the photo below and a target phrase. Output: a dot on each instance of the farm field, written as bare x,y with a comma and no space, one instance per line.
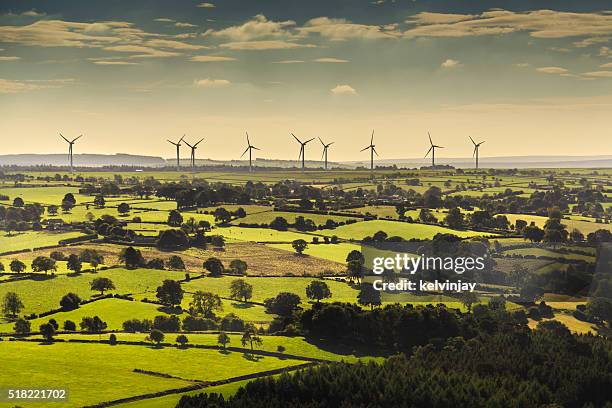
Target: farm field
268,216
405,230
32,239
263,235
583,226
53,366
548,253
331,252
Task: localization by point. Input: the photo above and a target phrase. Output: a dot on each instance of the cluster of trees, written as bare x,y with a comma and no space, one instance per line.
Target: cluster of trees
21,216
518,367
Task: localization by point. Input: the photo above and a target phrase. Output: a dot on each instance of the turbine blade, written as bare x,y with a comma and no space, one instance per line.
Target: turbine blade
474,152
245,150
248,141
187,143
309,140
76,138
321,142
481,142
375,152
256,148
64,138
170,141
198,142
329,144
365,148
295,137
372,138
430,142
430,149
323,154
472,140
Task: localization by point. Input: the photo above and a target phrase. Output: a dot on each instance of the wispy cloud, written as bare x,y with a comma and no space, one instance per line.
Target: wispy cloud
264,45
257,28
17,86
9,58
184,25
343,90
331,60
164,20
450,63
599,74
552,70
206,5
338,29
539,24
212,83
211,58
288,62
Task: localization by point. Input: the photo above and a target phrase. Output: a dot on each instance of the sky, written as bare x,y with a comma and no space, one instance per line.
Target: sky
529,77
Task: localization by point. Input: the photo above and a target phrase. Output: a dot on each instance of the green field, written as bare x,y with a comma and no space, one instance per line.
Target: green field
260,234
44,293
32,239
331,252
78,367
268,216
405,230
583,226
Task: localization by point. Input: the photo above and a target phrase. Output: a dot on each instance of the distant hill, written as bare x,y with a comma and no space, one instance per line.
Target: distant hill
81,160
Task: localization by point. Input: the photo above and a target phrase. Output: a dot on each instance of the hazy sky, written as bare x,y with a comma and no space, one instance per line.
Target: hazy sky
526,76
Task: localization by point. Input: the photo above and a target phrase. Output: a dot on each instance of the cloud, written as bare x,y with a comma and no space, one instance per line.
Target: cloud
521,64
176,45
343,90
143,52
332,60
450,63
288,62
339,29
9,58
605,52
206,5
33,13
212,83
111,62
599,74
552,70
256,28
165,20
184,25
211,58
16,86
264,45
591,41
607,65
539,24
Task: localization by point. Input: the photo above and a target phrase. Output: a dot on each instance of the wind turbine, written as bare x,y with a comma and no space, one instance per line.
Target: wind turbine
178,152
302,150
432,149
249,148
70,143
372,148
193,149
476,148
325,146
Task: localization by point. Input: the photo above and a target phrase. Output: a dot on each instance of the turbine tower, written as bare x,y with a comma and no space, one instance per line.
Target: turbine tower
432,149
372,148
476,148
193,150
249,148
325,147
302,150
178,152
70,143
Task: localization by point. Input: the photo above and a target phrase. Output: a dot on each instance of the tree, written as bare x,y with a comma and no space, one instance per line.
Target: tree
279,224
454,218
223,339
91,256
18,202
240,289
518,275
217,241
299,245
318,290
432,198
99,201
283,304
17,266
468,299
222,216
74,263
600,308
69,197
123,208
69,325
170,293
238,266
176,262
11,304
43,263
368,296
533,233
132,257
67,206
173,240
182,340
155,336
102,284
354,271
355,255
70,301
47,331
57,255
205,304
22,327
166,323
175,219
52,209
92,324
250,337
214,266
